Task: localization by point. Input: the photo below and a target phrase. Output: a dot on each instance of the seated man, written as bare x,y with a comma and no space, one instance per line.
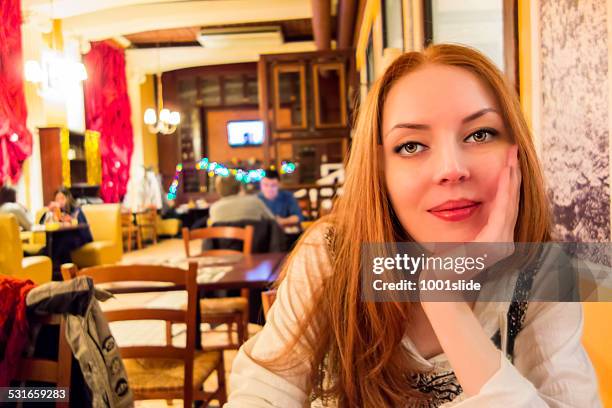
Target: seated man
282,204
235,205
8,204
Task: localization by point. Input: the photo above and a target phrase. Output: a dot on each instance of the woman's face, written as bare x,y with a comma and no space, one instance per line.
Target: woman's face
60,198
445,145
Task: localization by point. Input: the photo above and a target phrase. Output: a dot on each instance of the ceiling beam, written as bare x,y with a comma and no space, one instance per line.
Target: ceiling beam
321,23
71,8
151,60
347,10
156,16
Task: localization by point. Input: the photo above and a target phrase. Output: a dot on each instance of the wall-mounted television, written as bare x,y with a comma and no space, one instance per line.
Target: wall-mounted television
245,133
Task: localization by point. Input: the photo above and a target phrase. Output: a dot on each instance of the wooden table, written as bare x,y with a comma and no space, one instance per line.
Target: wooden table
256,271
50,234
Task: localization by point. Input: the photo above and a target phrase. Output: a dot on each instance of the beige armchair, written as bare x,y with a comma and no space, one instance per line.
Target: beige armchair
107,246
168,227
12,262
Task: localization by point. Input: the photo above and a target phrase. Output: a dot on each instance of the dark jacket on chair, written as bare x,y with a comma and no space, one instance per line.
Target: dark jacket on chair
268,236
90,339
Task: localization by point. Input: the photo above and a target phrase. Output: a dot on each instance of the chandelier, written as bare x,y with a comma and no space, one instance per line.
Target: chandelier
164,122
56,73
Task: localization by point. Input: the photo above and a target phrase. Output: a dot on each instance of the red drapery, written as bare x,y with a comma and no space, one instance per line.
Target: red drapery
107,110
15,138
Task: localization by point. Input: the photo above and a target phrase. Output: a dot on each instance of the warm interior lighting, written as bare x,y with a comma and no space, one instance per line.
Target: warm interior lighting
33,72
168,120
150,117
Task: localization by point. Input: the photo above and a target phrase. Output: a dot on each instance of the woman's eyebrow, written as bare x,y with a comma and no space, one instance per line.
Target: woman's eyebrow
418,126
478,114
415,126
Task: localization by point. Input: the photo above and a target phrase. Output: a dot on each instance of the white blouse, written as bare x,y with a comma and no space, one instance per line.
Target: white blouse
551,368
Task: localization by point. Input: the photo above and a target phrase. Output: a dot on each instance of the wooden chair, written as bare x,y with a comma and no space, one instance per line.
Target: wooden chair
147,224
226,310
163,372
267,298
49,371
129,230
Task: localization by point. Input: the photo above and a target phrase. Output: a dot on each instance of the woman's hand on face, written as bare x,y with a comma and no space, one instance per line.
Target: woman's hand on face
500,226
497,235
504,213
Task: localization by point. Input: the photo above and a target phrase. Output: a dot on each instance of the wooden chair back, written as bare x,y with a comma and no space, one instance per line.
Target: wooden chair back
147,221
49,371
148,217
267,298
126,220
243,234
183,279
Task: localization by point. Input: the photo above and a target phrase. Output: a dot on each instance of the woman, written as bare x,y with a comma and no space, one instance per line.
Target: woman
64,209
438,153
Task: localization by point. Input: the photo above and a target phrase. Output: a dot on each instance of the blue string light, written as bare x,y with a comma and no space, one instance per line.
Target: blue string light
218,169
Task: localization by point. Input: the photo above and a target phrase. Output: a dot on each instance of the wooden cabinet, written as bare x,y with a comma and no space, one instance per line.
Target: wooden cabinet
289,83
305,107
70,159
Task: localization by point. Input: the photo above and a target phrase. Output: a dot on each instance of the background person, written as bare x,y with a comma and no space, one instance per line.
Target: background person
282,203
234,204
64,209
9,204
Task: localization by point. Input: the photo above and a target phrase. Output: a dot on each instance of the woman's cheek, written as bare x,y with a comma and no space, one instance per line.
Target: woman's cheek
492,184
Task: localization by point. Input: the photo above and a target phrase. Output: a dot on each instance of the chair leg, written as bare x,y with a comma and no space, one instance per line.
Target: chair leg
245,322
221,389
138,239
168,333
229,332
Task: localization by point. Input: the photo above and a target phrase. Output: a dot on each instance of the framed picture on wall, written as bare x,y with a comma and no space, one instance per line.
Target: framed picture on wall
495,36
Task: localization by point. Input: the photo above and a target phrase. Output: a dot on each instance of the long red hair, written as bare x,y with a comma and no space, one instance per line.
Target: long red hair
356,352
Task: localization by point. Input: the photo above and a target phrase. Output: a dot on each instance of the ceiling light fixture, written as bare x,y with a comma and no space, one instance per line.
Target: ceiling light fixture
166,121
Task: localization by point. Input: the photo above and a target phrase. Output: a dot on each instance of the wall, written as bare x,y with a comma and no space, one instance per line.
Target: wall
140,91
65,109
218,148
149,145
574,129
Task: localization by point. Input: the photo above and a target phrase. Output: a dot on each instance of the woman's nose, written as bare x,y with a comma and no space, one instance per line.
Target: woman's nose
450,165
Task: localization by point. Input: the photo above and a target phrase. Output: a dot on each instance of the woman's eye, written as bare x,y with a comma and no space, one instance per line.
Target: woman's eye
409,149
481,135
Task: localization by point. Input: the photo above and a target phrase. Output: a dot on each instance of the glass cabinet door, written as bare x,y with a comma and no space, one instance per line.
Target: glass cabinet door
329,94
289,96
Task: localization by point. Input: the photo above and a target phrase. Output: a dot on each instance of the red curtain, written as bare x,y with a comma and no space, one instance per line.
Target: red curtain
107,110
15,138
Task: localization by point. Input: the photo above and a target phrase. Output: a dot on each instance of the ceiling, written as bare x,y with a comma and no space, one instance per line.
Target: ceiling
293,30
144,25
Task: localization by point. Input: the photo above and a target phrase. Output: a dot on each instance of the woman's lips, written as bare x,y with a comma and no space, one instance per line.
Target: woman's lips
458,210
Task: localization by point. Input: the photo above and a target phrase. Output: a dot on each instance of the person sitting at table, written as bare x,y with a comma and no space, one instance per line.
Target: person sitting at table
64,209
282,203
235,205
9,204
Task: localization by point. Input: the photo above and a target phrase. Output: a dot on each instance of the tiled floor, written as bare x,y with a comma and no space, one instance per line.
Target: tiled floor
153,332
